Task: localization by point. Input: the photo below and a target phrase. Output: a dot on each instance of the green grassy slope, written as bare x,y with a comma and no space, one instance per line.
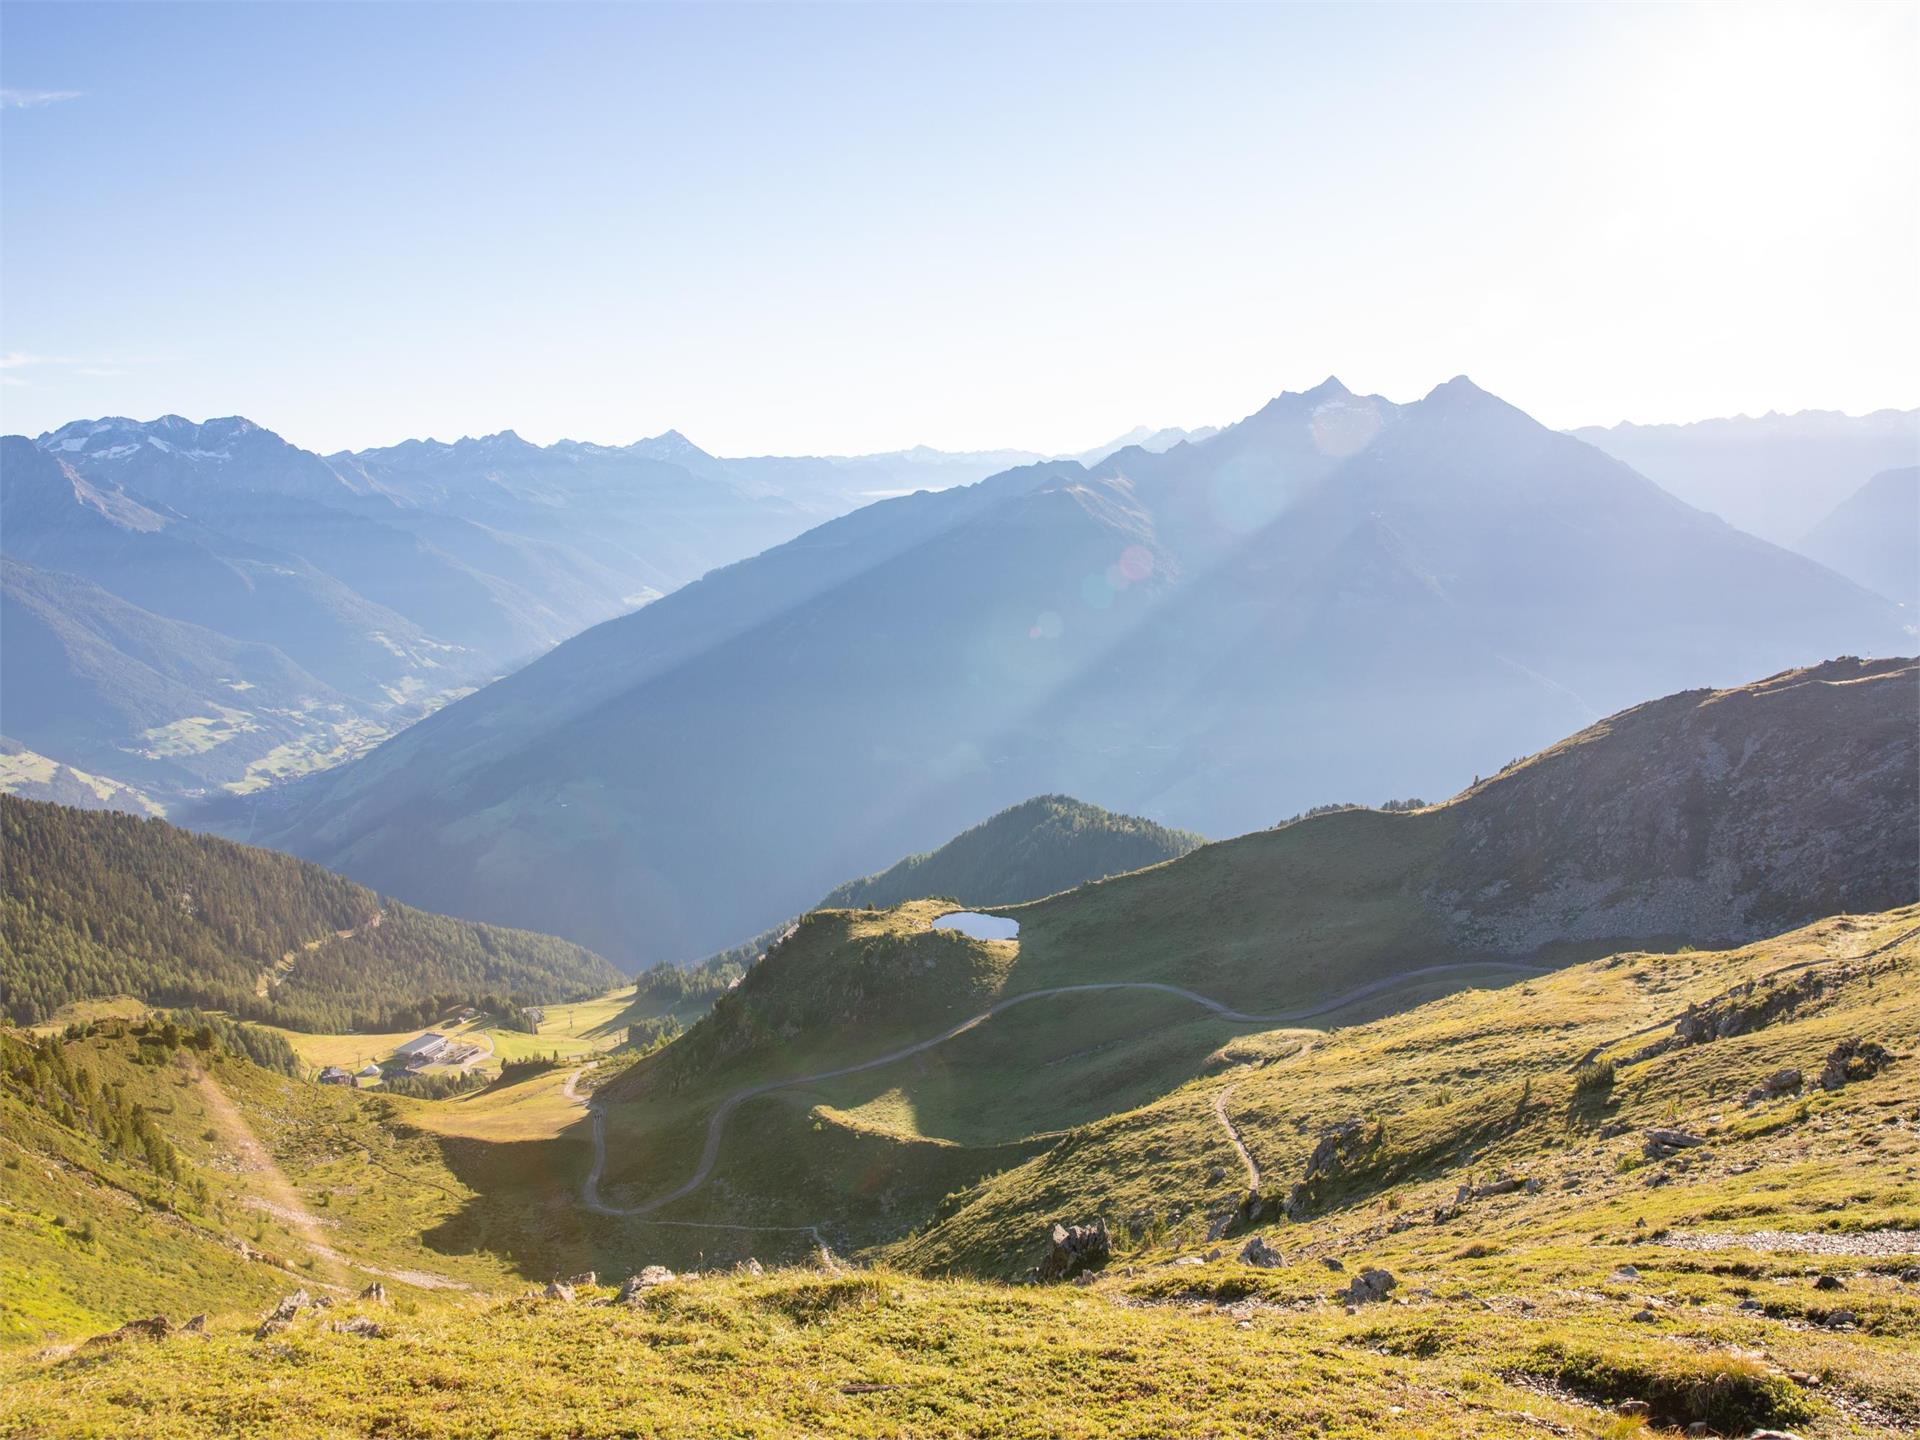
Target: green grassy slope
95,904
1637,830
142,1171
1769,1262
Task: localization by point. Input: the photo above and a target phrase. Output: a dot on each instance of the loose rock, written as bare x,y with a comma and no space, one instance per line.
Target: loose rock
1370,1286
157,1327
1258,1252
557,1291
1663,1142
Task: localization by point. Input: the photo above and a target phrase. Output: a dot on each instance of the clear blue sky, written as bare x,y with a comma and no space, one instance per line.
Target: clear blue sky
790,229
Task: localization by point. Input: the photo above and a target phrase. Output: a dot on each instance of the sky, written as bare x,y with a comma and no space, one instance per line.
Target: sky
837,229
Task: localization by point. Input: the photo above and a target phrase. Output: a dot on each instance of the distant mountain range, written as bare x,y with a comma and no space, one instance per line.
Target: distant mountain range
192,606
1337,597
1775,475
1873,536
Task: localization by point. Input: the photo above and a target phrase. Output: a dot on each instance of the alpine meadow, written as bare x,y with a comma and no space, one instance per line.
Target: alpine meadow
947,721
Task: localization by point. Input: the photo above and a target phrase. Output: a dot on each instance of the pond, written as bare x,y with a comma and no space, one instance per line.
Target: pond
980,927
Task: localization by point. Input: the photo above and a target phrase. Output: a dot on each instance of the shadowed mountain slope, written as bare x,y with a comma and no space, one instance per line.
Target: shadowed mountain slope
1873,536
1337,593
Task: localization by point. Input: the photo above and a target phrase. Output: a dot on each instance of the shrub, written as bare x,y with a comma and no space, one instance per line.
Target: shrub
1732,1395
1594,1079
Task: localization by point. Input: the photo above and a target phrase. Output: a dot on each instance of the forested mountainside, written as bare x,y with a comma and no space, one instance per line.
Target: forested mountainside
1336,598
1773,475
1049,843
97,903
1873,536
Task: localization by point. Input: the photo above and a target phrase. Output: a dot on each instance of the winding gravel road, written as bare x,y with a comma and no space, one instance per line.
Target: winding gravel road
717,1123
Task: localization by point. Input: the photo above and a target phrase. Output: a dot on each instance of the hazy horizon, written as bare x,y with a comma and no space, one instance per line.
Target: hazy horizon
833,231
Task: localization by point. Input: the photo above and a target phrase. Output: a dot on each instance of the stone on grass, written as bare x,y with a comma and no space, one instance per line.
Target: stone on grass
1370,1286
1257,1252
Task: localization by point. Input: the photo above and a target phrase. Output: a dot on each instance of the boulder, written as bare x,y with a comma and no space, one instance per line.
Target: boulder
1663,1142
375,1294
586,1277
1369,1286
1782,1082
558,1291
1633,1409
360,1325
1332,1262
1829,1282
1257,1252
1072,1249
196,1326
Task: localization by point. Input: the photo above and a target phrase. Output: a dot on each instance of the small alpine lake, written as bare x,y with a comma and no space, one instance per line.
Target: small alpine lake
979,927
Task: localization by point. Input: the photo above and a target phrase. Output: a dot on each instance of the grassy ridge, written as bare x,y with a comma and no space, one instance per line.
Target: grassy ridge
1044,845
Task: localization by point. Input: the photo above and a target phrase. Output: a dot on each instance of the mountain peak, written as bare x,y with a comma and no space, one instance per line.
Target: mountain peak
1329,389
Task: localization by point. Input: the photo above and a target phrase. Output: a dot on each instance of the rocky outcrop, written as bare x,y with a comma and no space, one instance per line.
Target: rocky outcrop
375,1294
1854,1059
649,1276
1720,815
558,1290
1073,1249
283,1314
1336,1144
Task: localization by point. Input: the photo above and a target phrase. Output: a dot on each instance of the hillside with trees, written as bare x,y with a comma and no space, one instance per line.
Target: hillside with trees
97,903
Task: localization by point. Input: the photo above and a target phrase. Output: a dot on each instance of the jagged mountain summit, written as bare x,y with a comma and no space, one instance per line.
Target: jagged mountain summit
1338,597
